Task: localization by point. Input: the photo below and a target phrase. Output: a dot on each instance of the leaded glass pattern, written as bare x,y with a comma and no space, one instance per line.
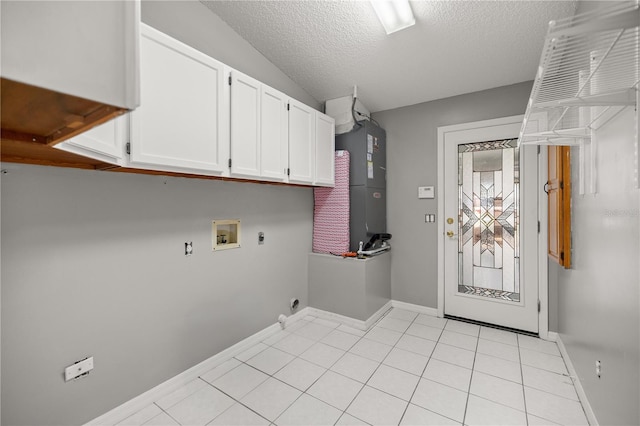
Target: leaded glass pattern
489,219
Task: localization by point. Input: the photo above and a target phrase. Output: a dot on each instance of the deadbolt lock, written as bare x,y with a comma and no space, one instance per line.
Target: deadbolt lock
450,220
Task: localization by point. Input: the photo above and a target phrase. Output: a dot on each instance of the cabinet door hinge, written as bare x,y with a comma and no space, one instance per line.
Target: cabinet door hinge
128,147
229,162
539,306
538,149
538,227
288,172
561,185
229,80
562,255
288,107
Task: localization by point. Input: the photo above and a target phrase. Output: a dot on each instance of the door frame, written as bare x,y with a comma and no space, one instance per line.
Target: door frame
543,278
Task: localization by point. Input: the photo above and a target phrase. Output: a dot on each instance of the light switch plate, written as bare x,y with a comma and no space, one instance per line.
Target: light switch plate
426,192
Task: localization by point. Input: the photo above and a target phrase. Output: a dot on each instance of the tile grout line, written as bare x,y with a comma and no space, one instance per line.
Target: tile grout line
404,412
164,411
382,362
335,372
379,363
283,382
475,353
424,368
419,377
237,400
524,395
305,391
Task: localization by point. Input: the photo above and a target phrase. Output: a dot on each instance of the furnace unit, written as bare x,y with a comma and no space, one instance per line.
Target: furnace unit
367,181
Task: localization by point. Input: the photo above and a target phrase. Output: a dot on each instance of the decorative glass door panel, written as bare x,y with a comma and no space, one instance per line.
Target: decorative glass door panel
489,219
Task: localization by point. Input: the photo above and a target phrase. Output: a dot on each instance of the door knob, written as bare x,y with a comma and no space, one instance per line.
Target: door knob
450,234
450,220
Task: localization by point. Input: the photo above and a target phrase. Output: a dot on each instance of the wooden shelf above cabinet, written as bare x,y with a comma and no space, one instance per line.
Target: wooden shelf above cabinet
36,115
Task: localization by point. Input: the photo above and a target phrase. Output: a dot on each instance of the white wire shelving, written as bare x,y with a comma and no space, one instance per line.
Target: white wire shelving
588,74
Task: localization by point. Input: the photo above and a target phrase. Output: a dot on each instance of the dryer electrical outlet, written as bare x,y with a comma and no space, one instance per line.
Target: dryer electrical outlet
78,369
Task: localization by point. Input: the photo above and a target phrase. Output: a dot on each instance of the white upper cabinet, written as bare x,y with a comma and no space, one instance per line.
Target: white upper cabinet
274,155
104,142
302,137
200,117
87,49
182,122
259,134
245,125
325,148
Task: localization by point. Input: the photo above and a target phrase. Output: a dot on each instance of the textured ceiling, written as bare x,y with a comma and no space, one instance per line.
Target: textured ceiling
455,47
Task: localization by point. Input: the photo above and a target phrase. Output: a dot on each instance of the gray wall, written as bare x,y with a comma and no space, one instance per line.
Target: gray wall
93,263
412,140
598,298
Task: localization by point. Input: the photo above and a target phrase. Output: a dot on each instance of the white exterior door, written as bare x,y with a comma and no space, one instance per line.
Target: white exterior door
182,122
489,222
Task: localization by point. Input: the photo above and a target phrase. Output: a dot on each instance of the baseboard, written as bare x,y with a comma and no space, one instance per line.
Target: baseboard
415,308
136,404
378,314
348,321
591,417
552,336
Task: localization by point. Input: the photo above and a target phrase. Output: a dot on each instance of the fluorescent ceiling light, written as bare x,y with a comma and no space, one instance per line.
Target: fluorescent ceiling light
395,15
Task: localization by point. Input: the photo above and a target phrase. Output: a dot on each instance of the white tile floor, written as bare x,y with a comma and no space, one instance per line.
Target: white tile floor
408,369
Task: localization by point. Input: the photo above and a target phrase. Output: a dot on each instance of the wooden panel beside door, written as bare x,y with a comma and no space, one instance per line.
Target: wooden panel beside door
558,188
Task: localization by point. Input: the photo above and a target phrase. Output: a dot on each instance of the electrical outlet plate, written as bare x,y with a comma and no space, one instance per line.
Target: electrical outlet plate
78,369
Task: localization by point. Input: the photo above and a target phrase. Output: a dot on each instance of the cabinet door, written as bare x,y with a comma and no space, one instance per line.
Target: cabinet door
274,153
104,142
245,125
302,134
180,124
325,150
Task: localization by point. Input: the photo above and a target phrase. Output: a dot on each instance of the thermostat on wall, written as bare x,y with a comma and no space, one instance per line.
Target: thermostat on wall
426,192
